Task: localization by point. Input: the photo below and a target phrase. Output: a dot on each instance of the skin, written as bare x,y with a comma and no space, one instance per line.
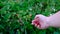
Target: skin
43,22
55,20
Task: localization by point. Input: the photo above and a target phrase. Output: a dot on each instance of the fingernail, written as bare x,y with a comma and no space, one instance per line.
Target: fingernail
38,26
35,24
36,18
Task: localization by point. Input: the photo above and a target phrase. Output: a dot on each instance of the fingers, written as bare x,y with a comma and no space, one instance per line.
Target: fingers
37,16
33,22
40,22
36,23
38,26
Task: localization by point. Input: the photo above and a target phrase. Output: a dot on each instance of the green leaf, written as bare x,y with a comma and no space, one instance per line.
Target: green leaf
55,32
7,16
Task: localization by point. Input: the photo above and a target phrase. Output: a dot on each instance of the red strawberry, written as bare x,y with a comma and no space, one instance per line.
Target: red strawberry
37,23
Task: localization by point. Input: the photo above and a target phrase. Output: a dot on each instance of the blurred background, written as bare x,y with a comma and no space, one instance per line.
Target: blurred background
16,16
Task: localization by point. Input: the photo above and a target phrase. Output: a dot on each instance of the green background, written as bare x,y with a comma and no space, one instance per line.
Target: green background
16,16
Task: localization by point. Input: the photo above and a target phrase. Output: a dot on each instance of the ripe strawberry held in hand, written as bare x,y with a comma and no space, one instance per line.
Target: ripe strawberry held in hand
36,23
40,22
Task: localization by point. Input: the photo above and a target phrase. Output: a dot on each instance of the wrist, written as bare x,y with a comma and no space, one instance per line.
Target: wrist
48,22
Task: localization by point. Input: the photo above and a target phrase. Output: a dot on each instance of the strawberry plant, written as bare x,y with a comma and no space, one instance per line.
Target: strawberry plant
16,15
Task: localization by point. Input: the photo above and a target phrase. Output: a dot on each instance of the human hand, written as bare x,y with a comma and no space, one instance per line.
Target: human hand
40,21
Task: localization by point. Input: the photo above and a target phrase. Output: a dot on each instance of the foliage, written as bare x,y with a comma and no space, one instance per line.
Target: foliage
16,15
